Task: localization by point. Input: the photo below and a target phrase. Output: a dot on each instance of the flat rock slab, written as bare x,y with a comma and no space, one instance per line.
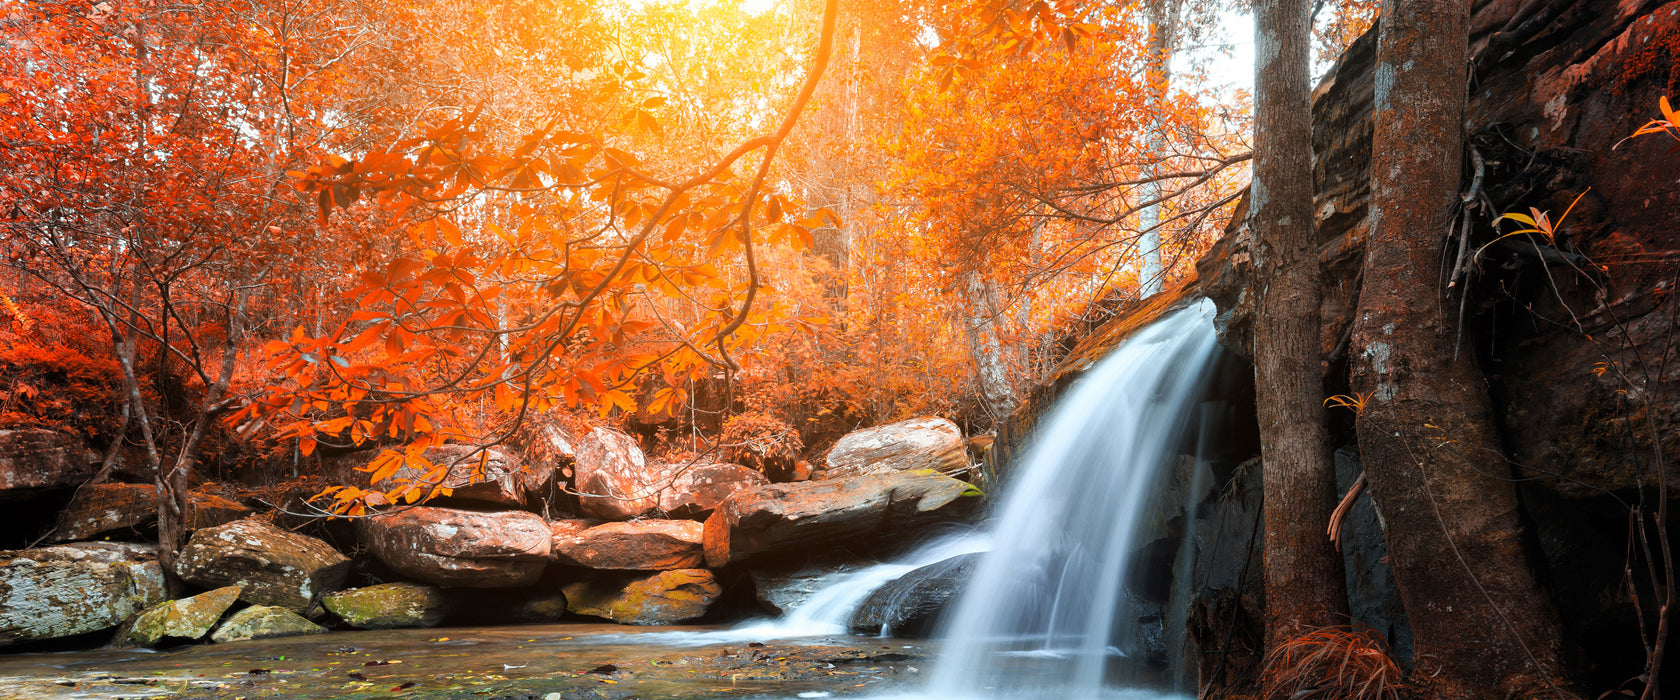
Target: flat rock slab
101,509
72,589
187,618
460,548
652,545
665,598
920,443
818,514
696,490
42,459
264,622
389,606
275,567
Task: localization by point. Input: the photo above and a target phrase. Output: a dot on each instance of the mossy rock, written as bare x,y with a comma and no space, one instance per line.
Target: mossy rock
264,622
389,605
187,618
665,598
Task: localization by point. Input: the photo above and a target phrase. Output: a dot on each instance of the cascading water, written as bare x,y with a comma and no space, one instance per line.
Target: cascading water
1045,615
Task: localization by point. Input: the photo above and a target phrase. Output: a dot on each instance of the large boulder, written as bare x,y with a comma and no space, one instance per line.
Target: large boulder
460,548
911,604
187,618
665,598
274,566
696,491
389,606
490,475
614,480
75,588
921,443
651,545
32,460
264,622
102,509
819,514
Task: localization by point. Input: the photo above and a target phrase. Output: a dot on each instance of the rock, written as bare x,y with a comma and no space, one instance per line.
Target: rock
782,588
536,604
697,490
911,605
101,509
389,606
651,545
187,618
492,476
460,548
32,460
790,517
209,510
667,597
921,443
264,622
276,567
75,588
614,480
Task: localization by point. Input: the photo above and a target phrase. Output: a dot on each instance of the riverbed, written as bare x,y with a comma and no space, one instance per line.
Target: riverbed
541,662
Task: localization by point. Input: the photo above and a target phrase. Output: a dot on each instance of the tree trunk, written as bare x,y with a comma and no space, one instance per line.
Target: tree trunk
1304,584
1483,626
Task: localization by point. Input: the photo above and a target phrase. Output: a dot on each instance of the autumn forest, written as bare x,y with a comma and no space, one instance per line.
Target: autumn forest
1080,349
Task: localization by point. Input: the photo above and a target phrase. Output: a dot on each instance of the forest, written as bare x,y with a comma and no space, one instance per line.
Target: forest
806,348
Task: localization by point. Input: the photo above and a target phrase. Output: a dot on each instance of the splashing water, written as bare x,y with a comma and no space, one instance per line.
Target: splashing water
1045,615
828,611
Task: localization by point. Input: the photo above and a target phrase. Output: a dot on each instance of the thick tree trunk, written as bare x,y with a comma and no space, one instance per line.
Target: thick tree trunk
1483,626
1304,584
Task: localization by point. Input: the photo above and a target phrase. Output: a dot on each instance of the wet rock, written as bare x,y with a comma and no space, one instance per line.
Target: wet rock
785,587
647,545
276,567
102,509
667,597
32,460
910,605
921,443
491,475
697,490
187,618
72,589
264,622
389,606
615,481
460,548
791,517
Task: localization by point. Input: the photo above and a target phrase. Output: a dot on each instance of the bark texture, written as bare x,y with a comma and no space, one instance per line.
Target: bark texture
1304,584
1483,626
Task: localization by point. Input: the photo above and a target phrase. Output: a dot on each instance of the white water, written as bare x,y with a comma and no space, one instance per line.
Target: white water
828,611
1045,614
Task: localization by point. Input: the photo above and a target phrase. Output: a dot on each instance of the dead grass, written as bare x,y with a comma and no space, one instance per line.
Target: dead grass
1343,662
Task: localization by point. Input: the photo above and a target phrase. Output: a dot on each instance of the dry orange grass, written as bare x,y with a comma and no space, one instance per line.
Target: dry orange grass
1340,663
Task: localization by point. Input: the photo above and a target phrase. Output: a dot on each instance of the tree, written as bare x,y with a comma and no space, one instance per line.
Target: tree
1304,586
1483,626
570,299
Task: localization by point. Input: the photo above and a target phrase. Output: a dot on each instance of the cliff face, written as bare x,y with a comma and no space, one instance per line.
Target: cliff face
1577,335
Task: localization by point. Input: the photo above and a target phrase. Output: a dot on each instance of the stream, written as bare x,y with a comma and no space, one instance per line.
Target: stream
546,662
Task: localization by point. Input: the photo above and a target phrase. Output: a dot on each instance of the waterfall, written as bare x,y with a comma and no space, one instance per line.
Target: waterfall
1046,614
